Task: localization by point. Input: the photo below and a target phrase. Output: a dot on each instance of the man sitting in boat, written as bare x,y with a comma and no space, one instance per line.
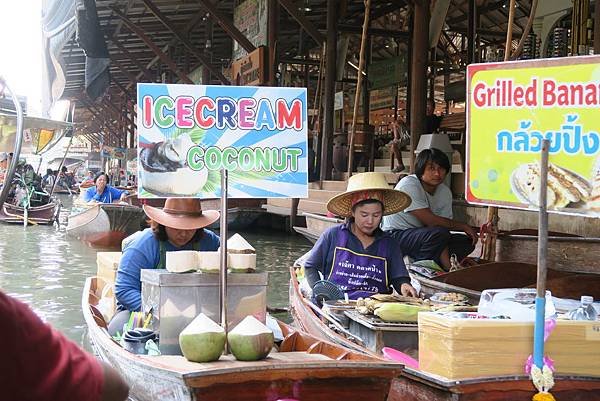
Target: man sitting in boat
102,192
357,256
176,227
423,228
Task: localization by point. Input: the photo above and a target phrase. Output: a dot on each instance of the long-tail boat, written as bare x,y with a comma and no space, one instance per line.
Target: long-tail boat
415,385
105,225
302,368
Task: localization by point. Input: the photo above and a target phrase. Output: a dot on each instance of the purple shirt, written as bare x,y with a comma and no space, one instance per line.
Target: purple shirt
321,256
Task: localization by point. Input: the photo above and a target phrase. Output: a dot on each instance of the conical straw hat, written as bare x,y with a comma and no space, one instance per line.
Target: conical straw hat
393,200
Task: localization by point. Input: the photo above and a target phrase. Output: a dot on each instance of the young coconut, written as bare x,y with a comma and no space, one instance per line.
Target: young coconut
182,261
202,340
241,256
210,262
250,340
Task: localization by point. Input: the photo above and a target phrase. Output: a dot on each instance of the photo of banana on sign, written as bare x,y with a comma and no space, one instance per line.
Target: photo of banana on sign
511,108
187,134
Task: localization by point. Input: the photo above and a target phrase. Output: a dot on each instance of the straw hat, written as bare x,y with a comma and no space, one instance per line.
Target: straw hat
182,214
375,186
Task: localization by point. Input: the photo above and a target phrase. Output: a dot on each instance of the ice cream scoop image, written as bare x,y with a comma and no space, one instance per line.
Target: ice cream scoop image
165,170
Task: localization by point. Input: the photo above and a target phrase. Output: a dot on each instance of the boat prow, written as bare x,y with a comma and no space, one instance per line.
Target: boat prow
105,225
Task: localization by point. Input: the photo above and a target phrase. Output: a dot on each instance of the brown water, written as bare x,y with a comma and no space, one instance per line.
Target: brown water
43,267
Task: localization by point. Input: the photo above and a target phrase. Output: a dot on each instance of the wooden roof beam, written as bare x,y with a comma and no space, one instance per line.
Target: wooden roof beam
163,57
117,111
132,78
203,58
304,22
133,59
227,26
188,28
482,10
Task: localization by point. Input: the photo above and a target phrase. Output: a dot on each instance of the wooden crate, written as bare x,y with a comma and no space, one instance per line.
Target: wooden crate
108,263
470,348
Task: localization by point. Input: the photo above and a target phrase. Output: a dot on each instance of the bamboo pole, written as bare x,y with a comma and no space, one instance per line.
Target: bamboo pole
361,67
519,48
489,249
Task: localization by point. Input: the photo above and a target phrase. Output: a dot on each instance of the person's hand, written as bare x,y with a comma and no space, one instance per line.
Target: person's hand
408,290
474,235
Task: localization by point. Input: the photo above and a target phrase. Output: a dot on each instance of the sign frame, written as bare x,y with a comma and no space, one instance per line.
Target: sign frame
514,104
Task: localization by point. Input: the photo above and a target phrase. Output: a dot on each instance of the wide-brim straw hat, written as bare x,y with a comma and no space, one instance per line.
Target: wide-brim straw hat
182,214
394,201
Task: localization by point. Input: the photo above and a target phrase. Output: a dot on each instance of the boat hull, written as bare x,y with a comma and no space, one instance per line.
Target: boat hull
414,385
565,252
304,368
46,214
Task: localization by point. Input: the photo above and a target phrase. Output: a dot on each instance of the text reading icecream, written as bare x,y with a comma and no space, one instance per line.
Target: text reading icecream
189,133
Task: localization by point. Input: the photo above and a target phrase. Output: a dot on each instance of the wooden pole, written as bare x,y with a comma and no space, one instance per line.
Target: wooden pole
519,48
542,258
223,256
489,248
418,74
597,27
330,75
361,67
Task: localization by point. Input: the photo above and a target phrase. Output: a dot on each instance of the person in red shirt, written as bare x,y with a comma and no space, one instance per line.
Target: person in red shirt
39,363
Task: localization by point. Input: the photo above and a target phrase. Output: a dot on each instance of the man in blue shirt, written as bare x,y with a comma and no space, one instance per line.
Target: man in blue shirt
176,227
358,256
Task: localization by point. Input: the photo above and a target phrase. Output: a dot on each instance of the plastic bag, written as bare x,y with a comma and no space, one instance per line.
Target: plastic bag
514,303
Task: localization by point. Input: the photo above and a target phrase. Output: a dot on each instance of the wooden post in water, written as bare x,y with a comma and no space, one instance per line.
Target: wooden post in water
223,269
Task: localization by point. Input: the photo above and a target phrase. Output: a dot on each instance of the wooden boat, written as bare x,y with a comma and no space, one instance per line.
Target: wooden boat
45,214
565,251
105,225
416,385
304,368
472,280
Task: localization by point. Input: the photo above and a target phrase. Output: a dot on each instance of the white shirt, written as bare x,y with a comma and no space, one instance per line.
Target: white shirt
440,204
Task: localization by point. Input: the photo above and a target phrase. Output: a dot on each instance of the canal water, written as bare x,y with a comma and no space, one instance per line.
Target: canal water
45,268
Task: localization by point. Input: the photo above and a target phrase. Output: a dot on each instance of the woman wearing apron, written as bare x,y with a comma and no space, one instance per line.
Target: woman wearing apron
177,226
358,256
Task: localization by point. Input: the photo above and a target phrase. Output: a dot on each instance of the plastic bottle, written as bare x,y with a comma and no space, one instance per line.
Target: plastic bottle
585,311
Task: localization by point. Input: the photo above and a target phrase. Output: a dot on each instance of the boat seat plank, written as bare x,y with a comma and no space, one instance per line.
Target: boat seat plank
228,362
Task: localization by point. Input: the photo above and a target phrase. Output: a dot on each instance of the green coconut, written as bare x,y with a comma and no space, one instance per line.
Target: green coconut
250,340
202,340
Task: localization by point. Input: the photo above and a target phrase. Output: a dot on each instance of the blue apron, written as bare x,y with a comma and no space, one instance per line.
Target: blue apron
358,274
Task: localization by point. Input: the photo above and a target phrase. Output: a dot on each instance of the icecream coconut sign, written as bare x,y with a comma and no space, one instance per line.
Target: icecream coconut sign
188,133
512,107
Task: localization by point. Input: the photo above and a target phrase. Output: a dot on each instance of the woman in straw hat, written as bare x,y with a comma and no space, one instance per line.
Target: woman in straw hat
176,227
358,256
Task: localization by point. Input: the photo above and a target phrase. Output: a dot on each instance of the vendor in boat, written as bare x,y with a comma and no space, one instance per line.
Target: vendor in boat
423,228
101,192
358,256
179,226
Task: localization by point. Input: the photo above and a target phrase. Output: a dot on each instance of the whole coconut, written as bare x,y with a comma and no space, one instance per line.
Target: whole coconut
250,340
